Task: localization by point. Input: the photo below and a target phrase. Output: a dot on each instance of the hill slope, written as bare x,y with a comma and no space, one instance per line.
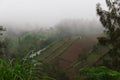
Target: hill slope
73,53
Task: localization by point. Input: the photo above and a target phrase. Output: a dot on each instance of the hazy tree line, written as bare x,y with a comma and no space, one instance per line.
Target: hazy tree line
78,27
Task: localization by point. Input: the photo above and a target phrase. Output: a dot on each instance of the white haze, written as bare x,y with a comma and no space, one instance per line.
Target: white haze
44,13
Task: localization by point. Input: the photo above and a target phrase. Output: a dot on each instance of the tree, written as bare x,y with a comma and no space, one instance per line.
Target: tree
1,42
110,20
1,29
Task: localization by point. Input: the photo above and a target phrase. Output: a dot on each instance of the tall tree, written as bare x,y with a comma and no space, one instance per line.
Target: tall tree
1,42
110,20
1,29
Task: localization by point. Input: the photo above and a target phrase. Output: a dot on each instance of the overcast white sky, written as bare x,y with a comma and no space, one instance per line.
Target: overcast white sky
46,12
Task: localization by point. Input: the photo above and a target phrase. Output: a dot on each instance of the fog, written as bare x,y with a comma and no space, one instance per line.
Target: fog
45,13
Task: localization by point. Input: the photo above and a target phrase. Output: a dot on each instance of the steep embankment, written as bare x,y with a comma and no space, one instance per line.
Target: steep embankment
73,53
67,51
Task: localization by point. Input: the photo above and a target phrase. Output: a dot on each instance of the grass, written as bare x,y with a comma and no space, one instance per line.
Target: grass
15,69
20,69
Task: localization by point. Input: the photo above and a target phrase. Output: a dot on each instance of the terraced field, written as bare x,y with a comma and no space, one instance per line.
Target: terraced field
60,50
50,49
56,49
78,49
73,53
67,51
87,60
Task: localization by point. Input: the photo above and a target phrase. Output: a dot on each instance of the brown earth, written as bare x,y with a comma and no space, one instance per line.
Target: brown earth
78,48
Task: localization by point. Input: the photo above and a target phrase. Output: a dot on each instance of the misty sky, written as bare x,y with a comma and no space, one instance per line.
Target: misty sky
46,12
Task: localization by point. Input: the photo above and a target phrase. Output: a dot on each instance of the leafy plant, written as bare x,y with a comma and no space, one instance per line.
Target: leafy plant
20,69
99,73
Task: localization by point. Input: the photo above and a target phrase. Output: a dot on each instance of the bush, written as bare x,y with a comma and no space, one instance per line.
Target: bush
100,73
19,69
